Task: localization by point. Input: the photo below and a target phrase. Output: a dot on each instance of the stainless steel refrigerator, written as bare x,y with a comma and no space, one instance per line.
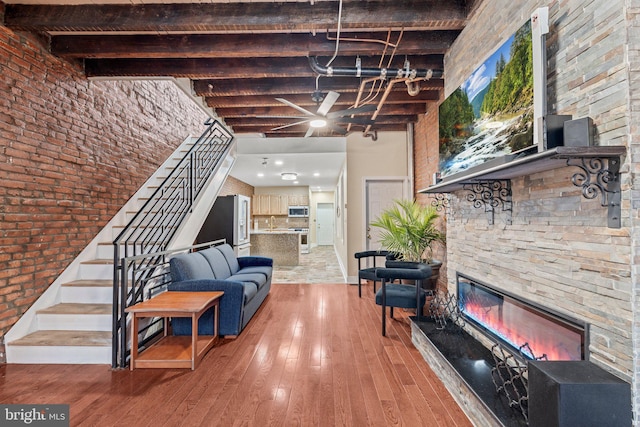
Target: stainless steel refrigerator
229,219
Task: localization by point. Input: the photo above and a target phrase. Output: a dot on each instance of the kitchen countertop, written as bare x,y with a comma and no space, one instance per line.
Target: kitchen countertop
276,231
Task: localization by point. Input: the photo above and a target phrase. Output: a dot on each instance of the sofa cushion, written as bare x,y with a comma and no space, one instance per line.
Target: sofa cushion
266,271
217,262
250,291
256,278
188,267
227,251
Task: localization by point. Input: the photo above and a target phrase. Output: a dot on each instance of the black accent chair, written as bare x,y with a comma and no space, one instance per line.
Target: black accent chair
370,272
402,295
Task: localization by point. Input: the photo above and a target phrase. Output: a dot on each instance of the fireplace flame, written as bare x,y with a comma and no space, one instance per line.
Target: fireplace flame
541,338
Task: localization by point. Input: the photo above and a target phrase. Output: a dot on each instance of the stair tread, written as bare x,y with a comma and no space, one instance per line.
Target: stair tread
99,261
77,308
90,283
65,338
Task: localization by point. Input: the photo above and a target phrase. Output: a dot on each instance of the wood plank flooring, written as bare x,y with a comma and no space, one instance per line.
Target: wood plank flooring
312,356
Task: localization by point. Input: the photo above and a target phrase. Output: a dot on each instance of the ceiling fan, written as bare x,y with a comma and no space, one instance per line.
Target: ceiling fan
323,118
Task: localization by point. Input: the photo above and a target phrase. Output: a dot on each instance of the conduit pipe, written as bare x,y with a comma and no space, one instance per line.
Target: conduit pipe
383,73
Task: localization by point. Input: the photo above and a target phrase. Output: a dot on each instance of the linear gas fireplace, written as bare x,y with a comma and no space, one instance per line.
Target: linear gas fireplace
527,328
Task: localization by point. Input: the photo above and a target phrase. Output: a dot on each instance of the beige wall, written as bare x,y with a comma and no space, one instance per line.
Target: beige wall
386,157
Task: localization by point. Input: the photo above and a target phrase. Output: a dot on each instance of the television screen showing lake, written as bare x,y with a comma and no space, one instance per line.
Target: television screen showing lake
491,114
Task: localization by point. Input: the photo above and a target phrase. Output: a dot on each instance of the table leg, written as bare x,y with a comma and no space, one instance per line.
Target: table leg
134,342
194,340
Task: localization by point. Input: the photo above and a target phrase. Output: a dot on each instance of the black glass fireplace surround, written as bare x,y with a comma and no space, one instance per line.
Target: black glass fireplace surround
514,322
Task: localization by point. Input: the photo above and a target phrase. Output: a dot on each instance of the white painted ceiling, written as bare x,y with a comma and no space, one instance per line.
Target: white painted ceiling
317,161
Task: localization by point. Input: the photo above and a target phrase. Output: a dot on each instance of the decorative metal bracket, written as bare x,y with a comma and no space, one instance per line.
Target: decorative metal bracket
491,194
600,177
440,201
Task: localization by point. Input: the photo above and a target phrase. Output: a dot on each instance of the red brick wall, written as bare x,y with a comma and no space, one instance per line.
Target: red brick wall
234,186
72,151
426,157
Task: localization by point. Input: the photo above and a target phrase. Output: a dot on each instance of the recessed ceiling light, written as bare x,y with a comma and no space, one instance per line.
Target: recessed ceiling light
289,176
278,162
295,182
316,174
260,175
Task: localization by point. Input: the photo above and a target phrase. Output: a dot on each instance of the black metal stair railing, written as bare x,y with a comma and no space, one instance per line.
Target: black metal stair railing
151,229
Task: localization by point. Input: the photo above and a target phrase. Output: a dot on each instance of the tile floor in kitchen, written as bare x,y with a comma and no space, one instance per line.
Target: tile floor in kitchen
320,265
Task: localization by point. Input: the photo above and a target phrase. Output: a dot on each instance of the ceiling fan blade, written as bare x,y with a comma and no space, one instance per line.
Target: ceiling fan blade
283,117
292,105
354,120
337,129
290,124
352,111
309,132
329,99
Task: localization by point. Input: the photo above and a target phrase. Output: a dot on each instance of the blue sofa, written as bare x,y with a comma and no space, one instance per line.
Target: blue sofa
245,281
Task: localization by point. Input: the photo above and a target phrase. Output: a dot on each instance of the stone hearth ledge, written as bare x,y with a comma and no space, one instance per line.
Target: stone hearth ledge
479,414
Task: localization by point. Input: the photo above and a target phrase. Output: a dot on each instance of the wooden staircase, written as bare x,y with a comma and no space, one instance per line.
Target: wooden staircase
72,321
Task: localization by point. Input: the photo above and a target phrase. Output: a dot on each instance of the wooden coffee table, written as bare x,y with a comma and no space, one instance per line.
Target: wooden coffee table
174,351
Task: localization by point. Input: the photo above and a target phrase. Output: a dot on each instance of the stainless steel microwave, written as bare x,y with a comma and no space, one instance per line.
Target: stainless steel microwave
298,211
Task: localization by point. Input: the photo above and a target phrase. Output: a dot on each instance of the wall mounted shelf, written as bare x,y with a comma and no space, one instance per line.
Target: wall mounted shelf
598,175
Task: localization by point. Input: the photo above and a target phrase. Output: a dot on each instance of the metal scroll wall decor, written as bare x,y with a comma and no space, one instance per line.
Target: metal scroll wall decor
491,194
600,177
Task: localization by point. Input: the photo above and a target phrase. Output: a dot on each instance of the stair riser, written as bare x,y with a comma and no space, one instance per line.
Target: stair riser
95,271
74,322
87,294
106,251
59,354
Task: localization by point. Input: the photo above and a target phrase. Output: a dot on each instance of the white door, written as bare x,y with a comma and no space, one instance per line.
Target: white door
380,195
324,223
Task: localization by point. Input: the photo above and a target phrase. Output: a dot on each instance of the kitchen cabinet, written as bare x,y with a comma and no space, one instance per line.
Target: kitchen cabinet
270,204
279,204
261,204
298,200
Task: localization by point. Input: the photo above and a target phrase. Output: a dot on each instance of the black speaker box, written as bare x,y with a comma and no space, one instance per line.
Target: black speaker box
577,393
554,130
578,132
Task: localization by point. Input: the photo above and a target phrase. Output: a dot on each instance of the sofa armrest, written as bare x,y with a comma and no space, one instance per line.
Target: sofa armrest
231,303
255,261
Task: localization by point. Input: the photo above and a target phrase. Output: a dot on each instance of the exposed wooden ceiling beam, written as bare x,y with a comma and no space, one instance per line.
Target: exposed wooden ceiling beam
246,45
293,85
393,109
239,17
224,68
304,100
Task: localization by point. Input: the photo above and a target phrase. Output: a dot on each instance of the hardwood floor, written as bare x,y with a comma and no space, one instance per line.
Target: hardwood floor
312,356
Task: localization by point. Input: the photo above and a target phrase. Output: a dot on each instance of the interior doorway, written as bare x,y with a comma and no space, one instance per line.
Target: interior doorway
380,194
325,224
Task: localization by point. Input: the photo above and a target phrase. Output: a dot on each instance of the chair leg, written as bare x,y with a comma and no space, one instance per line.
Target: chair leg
384,321
374,286
391,311
359,287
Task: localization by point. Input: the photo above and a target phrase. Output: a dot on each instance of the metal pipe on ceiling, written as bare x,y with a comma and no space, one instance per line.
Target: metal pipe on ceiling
382,73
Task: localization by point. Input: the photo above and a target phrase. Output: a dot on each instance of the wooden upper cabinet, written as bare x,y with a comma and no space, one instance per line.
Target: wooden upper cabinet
270,204
298,200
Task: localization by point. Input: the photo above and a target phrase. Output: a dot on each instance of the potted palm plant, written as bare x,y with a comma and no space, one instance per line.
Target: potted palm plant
409,231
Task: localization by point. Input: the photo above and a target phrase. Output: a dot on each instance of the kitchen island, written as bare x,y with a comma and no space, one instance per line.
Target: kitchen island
281,245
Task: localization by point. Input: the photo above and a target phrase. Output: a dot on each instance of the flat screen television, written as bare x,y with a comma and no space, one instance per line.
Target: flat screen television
498,109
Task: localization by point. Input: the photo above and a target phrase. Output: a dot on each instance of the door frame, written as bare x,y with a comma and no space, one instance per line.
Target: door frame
406,193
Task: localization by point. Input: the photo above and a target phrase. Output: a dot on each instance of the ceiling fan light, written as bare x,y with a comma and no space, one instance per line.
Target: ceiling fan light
289,176
318,123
